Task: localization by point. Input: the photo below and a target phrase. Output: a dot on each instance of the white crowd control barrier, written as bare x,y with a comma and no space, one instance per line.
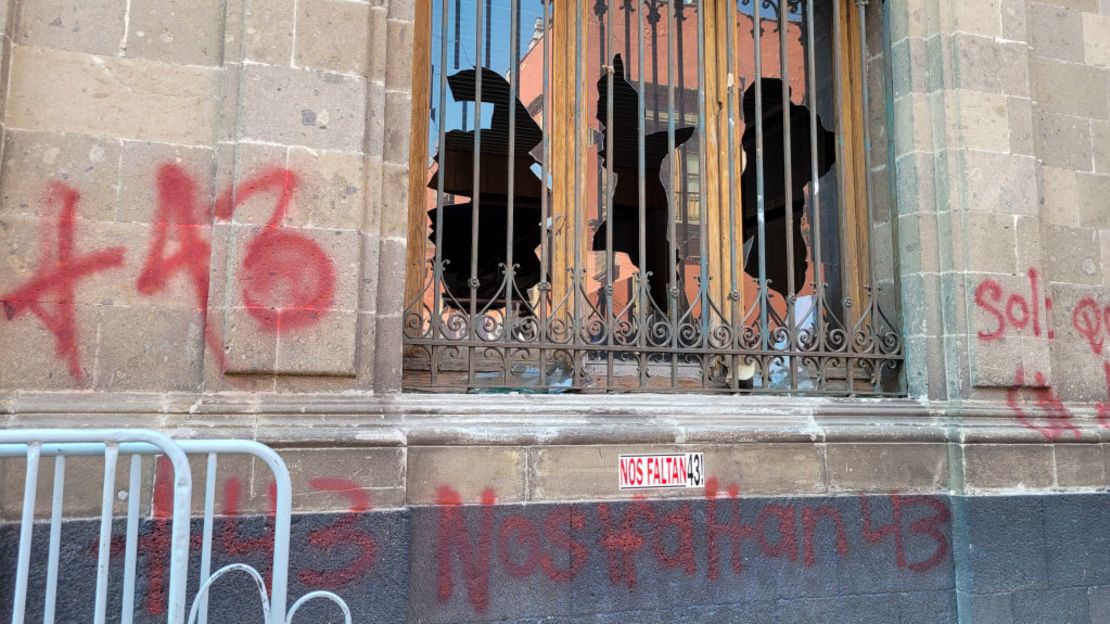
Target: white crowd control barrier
110,444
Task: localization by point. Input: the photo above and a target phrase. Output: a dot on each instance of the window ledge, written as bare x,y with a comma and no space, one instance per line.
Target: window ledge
516,420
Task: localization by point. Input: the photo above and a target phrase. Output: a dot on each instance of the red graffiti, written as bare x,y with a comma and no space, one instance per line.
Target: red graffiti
521,531
342,535
621,543
157,542
343,540
236,544
288,280
179,212
1016,310
639,533
1054,419
54,282
735,531
558,527
475,557
1092,321
931,527
785,545
682,557
810,517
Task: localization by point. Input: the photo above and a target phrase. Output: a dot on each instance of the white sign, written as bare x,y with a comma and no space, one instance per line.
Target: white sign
676,470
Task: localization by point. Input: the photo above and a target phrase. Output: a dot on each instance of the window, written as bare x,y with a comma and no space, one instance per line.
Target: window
613,197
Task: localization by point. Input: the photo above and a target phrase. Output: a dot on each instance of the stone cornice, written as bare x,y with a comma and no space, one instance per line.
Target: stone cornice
421,419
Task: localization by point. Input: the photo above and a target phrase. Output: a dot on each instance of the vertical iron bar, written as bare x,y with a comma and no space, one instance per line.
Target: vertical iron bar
644,302
703,213
892,213
761,221
206,535
672,270
627,6
131,543
815,185
684,161
111,454
600,6
26,532
510,273
610,321
57,502
838,88
872,294
788,185
179,537
476,194
545,228
654,21
458,46
734,266
437,267
283,509
579,88
489,33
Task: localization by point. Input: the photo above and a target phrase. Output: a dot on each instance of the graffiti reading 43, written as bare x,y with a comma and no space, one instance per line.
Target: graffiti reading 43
287,280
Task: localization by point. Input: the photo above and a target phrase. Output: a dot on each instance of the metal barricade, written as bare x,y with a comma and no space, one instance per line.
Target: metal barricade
110,444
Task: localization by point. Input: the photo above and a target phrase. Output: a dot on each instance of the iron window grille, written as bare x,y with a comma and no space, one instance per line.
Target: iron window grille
653,196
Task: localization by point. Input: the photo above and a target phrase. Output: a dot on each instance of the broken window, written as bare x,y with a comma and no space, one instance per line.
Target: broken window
652,196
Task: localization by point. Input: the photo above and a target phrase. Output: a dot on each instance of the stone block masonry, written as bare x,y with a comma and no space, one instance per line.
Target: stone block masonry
149,112
203,229
725,557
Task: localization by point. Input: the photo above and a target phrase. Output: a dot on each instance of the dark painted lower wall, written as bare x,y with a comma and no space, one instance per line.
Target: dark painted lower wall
885,559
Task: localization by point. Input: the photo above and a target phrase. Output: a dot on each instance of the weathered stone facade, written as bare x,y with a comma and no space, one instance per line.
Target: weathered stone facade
196,141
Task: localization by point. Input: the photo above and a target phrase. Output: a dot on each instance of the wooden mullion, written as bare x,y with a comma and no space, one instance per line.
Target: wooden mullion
855,225
560,110
416,266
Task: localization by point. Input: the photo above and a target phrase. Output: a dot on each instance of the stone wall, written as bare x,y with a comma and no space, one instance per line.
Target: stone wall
218,161
1000,109
206,202
236,175
884,559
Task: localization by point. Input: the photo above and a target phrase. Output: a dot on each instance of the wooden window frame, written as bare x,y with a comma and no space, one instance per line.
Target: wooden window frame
855,224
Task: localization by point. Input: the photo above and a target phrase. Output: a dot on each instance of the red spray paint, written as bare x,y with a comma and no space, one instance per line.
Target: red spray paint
1018,311
288,280
810,518
735,531
521,532
342,535
1054,420
54,282
639,534
474,556
559,527
622,541
931,527
683,556
1092,321
180,219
